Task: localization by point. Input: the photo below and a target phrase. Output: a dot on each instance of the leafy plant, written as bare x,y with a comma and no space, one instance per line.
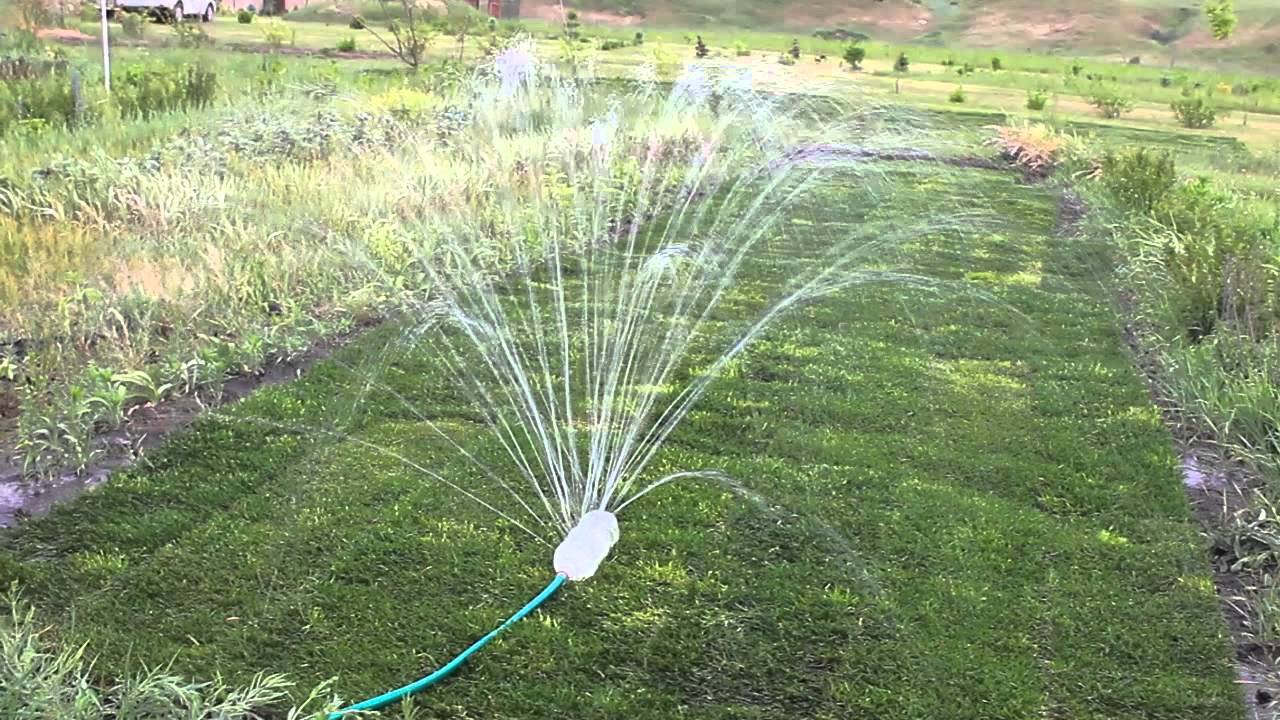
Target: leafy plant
700,49
1222,17
902,64
409,35
741,49
1037,99
347,44
795,49
1035,147
996,64
357,23
245,17
274,33
190,36
1111,101
957,96
133,25
638,39
1138,178
854,55
1196,112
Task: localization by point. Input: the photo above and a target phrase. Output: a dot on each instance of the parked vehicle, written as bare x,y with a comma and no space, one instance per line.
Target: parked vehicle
170,10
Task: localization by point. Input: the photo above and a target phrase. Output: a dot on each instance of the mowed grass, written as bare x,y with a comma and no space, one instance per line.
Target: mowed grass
958,505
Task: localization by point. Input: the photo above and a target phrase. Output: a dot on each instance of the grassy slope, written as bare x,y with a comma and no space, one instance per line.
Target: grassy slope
969,517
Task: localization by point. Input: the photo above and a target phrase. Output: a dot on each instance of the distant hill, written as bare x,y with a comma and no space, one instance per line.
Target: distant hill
1139,27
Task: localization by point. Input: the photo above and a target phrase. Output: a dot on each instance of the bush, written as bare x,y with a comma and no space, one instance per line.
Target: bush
1110,101
244,17
1138,178
795,49
145,91
700,49
347,44
357,23
996,64
957,95
190,35
1195,112
740,49
1035,148
854,55
1037,99
44,100
610,44
133,25
638,39
902,64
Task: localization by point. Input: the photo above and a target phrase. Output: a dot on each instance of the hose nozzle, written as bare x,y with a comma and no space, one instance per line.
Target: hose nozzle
587,545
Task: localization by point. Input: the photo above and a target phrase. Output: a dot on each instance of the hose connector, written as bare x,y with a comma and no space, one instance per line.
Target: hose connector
587,545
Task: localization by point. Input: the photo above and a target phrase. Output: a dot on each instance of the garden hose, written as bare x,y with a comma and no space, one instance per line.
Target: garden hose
387,698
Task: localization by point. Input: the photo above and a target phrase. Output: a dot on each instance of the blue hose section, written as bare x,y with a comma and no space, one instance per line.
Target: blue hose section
387,698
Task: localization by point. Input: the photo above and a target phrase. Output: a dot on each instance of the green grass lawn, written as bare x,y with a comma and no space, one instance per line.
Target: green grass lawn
968,508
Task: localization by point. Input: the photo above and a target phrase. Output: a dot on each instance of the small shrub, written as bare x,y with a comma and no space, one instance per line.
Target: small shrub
700,49
638,39
1138,178
133,25
357,23
245,17
1034,147
1196,112
609,45
996,64
347,44
957,95
190,35
1110,101
795,49
1135,60
1037,99
274,33
1076,69
854,55
785,59
740,49
1166,81
902,64
949,62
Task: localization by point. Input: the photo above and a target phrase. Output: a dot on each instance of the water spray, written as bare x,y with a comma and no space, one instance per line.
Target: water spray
577,558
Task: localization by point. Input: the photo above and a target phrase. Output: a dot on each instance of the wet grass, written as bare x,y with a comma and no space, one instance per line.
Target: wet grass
969,509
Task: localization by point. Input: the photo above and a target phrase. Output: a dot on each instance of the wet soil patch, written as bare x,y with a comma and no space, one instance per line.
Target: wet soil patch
147,428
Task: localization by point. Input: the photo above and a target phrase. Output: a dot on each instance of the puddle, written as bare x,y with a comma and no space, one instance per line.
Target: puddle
1198,474
21,499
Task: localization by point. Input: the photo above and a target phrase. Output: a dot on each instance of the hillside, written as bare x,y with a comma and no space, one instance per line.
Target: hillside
1152,28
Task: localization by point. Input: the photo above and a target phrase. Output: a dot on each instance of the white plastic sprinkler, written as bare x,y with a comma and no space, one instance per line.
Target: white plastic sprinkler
587,545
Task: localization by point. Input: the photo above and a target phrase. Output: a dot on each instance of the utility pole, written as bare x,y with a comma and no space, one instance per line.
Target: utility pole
106,48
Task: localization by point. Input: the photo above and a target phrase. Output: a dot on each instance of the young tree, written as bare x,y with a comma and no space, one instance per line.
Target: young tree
462,20
854,55
700,49
1222,17
795,49
410,35
572,26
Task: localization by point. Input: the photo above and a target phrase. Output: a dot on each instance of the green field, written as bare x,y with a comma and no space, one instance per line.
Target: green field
969,509
958,493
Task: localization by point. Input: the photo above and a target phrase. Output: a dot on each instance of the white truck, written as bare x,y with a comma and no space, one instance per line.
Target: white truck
170,10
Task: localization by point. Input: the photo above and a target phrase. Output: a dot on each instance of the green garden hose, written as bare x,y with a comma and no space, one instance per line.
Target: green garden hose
387,698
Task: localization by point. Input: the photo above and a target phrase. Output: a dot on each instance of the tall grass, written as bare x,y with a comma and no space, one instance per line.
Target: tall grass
41,681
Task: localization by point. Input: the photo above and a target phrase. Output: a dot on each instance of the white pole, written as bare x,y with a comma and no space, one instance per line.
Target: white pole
106,49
